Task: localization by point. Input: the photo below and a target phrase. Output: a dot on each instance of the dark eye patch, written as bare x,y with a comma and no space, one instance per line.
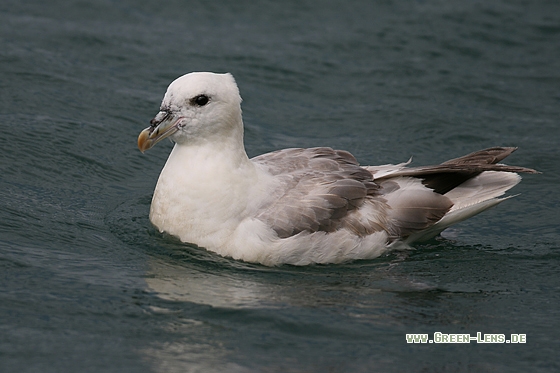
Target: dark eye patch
200,100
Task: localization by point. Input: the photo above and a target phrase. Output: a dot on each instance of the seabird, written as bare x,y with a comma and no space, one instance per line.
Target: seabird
300,206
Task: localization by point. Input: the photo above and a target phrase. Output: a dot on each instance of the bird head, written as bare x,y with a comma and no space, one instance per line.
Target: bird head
196,107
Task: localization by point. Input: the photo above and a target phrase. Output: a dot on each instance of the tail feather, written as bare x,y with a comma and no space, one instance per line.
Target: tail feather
472,183
453,217
471,198
487,185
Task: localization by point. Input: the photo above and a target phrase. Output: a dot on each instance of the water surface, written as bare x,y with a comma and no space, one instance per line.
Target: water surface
86,284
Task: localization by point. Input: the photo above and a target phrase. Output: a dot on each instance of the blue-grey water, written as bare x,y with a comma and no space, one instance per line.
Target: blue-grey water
87,285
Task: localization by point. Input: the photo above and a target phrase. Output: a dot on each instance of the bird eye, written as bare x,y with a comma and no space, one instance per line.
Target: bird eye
200,100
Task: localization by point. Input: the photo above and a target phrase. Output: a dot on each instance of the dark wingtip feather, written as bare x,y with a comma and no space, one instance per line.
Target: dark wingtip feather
448,175
484,156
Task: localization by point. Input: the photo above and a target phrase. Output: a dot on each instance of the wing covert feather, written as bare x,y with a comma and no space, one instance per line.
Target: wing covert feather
316,189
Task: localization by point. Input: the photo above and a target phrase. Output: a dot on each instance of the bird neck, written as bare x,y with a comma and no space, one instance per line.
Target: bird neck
200,184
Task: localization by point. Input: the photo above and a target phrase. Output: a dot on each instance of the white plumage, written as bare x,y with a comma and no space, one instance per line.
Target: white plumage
299,206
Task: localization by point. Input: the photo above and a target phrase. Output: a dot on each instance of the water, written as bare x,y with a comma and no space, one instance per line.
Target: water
86,284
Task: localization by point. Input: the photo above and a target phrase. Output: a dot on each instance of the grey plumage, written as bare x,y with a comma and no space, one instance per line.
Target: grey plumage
321,189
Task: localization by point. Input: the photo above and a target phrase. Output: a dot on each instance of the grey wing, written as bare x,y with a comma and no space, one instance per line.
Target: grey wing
316,190
322,189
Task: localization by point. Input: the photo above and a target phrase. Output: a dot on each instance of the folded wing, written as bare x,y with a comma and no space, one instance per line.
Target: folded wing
324,190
